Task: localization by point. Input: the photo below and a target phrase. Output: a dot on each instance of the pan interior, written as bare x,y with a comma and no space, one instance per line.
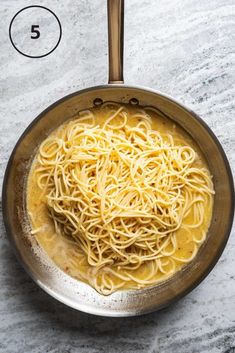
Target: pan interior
75,293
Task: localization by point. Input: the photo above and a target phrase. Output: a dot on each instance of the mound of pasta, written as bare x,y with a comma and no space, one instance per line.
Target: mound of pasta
132,200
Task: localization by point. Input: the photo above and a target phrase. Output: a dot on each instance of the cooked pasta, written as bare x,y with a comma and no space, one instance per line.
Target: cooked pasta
132,203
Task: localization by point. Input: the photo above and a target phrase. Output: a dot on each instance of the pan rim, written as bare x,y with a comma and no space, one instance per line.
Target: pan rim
109,312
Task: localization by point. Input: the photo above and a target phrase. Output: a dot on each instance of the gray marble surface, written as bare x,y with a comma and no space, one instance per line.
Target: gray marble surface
182,47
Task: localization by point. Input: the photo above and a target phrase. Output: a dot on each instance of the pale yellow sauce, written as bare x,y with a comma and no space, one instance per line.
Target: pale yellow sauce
60,248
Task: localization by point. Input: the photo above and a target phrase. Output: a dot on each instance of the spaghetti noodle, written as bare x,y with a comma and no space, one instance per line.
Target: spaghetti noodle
127,197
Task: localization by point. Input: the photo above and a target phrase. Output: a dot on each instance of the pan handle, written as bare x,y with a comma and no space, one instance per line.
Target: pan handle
115,39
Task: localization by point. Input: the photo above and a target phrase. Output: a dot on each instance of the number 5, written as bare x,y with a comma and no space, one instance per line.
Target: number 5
35,31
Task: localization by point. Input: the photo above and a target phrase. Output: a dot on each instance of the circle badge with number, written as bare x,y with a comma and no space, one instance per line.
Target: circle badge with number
35,31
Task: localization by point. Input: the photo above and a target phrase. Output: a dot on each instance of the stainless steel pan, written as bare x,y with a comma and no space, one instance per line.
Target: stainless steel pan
43,271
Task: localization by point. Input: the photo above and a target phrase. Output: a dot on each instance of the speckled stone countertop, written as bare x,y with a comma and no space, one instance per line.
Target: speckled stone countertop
182,47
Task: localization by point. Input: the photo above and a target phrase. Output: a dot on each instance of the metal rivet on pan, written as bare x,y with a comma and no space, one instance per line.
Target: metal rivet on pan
97,101
134,101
